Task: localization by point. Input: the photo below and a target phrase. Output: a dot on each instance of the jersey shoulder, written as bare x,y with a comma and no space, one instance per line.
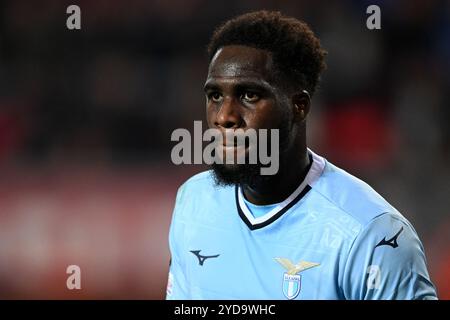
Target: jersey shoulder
199,191
352,196
203,181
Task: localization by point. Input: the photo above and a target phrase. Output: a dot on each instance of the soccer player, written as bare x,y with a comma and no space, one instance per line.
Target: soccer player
312,230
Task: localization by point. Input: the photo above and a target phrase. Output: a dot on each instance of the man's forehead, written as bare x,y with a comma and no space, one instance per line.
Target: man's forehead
240,62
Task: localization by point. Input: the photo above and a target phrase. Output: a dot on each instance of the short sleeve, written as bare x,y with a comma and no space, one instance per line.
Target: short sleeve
387,262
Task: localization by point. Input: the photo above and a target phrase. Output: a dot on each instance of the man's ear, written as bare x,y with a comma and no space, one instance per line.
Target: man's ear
301,102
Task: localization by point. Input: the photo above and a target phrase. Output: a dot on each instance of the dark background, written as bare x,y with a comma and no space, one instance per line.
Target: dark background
86,117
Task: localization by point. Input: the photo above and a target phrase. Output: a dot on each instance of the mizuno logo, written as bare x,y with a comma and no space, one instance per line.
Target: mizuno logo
293,269
391,242
201,259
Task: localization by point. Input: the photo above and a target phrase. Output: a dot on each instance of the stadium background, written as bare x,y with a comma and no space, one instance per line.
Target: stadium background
86,118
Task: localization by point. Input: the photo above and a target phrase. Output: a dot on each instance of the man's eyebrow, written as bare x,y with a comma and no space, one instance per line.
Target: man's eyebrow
258,85
253,84
210,86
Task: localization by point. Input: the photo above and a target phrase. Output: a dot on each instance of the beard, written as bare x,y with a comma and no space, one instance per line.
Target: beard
229,175
250,174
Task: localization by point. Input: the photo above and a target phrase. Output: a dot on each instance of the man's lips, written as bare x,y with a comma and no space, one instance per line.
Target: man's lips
227,151
230,138
238,142
233,145
233,148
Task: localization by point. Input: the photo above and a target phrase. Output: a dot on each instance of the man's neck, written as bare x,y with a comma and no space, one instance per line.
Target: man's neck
281,185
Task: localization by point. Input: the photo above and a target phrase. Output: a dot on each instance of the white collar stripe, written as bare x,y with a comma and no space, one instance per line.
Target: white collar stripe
316,169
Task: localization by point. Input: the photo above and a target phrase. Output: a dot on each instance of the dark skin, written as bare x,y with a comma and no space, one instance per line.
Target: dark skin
242,93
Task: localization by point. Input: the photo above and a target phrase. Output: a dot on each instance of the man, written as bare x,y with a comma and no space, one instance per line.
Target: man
311,231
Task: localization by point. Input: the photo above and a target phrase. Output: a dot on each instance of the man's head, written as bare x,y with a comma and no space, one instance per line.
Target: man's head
263,68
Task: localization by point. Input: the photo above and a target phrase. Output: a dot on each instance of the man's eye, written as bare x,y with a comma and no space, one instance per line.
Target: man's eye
215,97
250,97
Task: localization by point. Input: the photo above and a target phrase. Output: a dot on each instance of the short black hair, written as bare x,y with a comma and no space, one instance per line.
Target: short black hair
296,51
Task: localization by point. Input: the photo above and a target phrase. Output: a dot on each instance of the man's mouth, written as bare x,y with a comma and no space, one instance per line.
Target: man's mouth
234,144
235,147
232,153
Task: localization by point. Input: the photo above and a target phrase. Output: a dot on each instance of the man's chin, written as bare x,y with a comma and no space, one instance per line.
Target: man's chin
236,174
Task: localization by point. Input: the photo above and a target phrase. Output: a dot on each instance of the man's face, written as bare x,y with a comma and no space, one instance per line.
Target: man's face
241,93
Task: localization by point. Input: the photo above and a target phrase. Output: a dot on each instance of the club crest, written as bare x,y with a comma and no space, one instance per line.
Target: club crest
291,278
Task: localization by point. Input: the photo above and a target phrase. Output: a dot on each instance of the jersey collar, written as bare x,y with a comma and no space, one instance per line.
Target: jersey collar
314,172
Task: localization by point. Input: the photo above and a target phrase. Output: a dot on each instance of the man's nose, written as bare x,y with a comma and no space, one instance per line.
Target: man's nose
229,116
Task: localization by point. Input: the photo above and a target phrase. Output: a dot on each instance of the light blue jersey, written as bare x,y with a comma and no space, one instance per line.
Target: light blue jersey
334,237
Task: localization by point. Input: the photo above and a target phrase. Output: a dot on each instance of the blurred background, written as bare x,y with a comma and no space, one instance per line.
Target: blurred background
86,117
